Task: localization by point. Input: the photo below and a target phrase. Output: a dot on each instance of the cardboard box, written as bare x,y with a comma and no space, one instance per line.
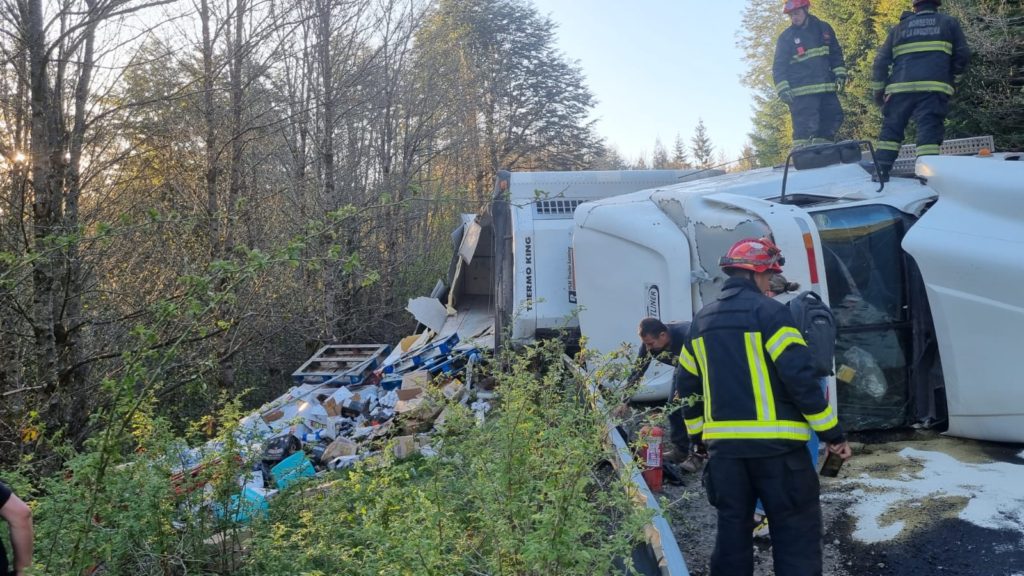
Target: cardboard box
416,379
405,446
340,447
406,406
333,403
453,390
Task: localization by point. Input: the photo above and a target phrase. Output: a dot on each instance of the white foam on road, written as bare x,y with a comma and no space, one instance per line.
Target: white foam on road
995,494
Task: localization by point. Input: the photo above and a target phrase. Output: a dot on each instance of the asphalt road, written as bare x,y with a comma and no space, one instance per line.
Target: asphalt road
933,540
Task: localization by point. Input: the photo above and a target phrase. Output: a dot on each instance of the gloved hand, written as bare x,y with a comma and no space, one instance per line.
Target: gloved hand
841,83
879,97
786,96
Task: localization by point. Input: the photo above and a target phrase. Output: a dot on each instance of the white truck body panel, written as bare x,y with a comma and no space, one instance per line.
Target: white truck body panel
970,248
542,205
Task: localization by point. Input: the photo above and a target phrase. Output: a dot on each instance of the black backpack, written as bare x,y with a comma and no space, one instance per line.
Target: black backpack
815,321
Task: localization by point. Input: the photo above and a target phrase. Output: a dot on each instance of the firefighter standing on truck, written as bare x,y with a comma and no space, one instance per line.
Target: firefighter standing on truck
753,400
913,76
808,71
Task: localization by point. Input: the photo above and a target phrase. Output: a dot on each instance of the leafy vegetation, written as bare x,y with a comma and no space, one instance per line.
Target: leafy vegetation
520,494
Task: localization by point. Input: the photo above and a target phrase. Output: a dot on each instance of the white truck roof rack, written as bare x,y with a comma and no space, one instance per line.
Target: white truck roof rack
907,159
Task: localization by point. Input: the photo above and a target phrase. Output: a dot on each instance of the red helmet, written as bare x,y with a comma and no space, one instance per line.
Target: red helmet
792,5
754,254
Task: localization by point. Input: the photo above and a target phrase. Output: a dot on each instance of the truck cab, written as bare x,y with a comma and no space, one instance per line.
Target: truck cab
655,252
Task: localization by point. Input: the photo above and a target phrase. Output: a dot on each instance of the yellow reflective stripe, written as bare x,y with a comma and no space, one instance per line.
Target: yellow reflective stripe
782,339
702,361
687,361
756,430
926,46
814,89
812,53
839,70
888,145
764,400
784,85
817,140
876,85
801,142
694,425
824,420
922,86
927,149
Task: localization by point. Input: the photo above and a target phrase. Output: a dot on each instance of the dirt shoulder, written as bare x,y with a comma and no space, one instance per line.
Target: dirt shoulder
908,503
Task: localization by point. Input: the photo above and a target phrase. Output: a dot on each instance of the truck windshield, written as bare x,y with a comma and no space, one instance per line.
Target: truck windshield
866,275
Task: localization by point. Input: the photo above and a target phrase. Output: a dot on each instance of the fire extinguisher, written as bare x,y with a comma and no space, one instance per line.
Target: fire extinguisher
652,437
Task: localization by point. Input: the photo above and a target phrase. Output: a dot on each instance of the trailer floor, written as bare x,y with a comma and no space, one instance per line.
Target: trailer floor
908,503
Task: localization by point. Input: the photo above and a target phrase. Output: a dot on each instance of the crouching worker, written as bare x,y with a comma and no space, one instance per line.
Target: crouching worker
663,342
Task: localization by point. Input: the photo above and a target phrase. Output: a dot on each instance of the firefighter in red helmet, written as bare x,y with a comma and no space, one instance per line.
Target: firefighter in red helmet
751,398
809,71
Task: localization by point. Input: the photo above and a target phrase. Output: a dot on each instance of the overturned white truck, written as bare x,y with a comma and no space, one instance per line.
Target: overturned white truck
923,274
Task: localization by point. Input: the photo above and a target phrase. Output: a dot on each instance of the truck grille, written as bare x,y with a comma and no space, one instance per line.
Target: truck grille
555,209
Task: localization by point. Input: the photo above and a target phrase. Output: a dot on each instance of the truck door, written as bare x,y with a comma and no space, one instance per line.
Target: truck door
866,271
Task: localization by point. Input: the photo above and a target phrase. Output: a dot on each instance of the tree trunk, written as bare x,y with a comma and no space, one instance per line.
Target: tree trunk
46,159
74,372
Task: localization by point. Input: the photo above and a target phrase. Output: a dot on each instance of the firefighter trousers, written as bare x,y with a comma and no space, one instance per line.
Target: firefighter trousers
788,487
676,427
816,118
928,111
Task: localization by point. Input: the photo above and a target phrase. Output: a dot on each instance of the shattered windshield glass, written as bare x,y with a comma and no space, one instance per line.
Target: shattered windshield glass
865,270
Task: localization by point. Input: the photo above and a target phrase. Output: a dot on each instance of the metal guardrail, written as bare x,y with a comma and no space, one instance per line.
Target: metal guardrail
658,533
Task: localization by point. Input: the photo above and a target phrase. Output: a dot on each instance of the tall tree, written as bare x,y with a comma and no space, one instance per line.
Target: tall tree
525,106
701,147
680,159
659,158
991,98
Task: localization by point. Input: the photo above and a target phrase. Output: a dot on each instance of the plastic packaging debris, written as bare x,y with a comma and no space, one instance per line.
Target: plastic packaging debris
389,400
343,462
347,399
862,372
480,409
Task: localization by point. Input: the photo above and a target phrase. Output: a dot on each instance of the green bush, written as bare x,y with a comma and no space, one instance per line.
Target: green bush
521,494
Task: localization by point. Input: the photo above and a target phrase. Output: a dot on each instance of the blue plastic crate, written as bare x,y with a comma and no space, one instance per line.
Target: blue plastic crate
292,469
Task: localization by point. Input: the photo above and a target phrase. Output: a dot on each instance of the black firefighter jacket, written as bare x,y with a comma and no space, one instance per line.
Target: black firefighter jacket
747,384
808,59
925,52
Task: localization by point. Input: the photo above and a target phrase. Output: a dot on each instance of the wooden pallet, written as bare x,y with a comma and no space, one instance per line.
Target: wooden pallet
343,364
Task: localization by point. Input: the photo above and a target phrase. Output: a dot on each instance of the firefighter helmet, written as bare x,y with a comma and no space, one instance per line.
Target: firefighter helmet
792,5
754,254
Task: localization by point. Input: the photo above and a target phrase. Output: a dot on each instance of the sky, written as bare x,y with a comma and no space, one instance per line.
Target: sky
656,67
